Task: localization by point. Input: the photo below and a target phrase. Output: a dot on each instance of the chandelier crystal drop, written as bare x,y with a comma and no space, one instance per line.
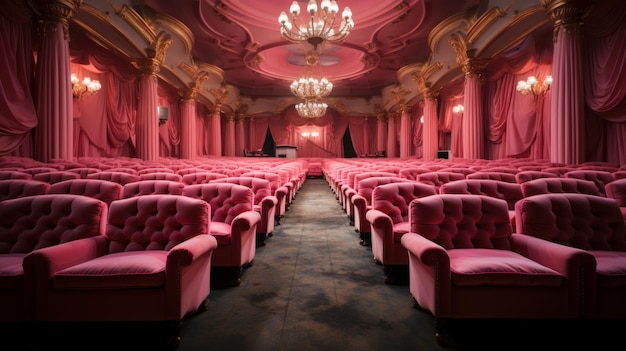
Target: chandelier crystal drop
319,28
311,109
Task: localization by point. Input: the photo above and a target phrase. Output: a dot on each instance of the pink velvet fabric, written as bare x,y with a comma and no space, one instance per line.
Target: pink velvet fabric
32,223
156,186
100,189
389,218
464,262
233,206
594,224
152,264
14,188
559,185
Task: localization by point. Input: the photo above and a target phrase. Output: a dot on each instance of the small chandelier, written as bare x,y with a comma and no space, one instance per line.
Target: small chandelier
534,86
311,108
319,28
86,86
311,87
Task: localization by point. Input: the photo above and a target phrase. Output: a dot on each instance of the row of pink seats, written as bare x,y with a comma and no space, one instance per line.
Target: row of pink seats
567,258
233,212
67,257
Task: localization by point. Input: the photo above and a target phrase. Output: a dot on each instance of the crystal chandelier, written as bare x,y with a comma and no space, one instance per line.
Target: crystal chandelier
534,86
319,28
309,87
86,86
311,108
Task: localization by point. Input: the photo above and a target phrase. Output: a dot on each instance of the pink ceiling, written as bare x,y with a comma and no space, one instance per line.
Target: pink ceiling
242,37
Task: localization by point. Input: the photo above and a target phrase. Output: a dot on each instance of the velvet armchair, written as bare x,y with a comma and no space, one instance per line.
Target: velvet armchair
466,263
594,224
151,265
31,223
233,223
389,220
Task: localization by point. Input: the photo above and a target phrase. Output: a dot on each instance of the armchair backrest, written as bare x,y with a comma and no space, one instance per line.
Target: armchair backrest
437,178
14,174
457,221
412,172
260,187
509,192
526,176
600,178
155,222
393,199
161,176
559,185
100,189
273,178
227,200
495,175
115,176
153,187
84,171
201,177
34,222
583,221
367,185
15,188
55,176
370,174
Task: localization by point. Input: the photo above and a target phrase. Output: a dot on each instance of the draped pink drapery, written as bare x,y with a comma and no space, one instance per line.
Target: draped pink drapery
17,106
472,122
392,137
406,132
188,129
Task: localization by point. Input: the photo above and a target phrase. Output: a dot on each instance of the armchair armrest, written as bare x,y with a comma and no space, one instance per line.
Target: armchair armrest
359,203
245,221
190,250
379,220
427,258
578,266
269,202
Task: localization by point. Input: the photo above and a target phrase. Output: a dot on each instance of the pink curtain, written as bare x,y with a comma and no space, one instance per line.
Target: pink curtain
406,132
361,128
392,136
604,67
17,106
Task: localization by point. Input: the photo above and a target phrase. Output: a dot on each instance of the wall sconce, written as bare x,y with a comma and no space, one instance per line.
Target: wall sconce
458,109
534,86
86,86
310,134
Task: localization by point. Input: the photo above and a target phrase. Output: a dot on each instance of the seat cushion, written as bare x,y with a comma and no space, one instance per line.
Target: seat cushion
122,270
222,232
610,268
11,272
492,267
399,229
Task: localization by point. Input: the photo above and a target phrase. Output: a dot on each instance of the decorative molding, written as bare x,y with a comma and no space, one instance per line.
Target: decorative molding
137,22
482,24
56,12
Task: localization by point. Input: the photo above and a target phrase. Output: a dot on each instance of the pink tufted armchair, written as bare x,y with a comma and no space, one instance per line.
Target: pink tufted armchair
278,190
495,175
161,175
150,187
32,223
465,263
362,202
14,188
233,223
151,265
509,192
594,224
264,203
14,174
55,176
389,221
437,178
525,176
559,185
114,176
103,190
201,177
600,178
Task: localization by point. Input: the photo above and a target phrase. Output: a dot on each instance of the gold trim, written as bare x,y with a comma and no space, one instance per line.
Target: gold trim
482,24
137,22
